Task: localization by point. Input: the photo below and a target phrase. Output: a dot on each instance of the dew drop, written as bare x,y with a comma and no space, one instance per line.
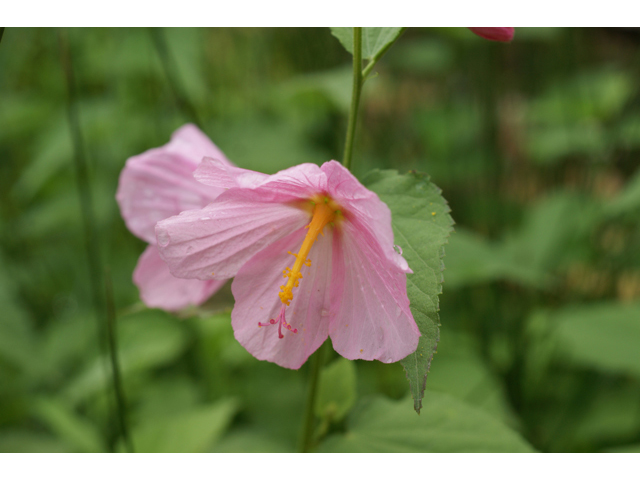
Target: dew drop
163,238
205,218
398,249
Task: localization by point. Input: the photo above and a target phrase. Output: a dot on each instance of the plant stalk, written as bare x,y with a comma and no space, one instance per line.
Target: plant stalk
355,97
83,183
169,67
317,362
116,377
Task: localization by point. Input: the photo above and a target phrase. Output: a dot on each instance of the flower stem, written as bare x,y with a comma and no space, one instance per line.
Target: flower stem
116,376
355,96
170,69
317,361
85,196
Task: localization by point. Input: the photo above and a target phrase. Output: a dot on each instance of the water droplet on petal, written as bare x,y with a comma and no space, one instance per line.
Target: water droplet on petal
398,249
163,238
205,218
388,360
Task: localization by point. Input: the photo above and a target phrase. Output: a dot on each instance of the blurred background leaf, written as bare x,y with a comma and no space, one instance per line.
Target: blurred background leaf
602,336
336,390
194,430
444,425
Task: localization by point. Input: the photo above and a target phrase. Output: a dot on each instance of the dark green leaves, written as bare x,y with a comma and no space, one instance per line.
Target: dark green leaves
375,40
421,226
448,425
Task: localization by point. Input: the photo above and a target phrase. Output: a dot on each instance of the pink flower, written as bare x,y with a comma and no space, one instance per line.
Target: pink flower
499,34
323,232
153,186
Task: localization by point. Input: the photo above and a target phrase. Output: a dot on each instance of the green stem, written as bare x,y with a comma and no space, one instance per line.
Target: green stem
317,361
378,56
83,183
116,377
169,67
355,97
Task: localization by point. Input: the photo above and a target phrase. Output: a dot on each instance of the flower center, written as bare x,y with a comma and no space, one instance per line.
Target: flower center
324,212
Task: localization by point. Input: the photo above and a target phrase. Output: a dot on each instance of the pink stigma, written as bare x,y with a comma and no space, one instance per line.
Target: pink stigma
281,322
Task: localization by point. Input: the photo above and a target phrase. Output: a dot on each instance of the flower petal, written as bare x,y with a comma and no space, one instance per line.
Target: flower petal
190,142
160,289
218,239
300,182
223,175
159,183
296,183
363,204
256,289
373,320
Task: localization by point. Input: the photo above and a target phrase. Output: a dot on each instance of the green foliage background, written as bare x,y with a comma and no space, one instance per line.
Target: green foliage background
535,145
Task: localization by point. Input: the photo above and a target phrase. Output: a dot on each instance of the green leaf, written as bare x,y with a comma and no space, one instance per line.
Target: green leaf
634,448
549,144
421,225
337,390
146,340
588,96
611,416
553,232
460,370
52,152
282,139
603,336
193,431
334,85
27,441
251,441
76,431
628,201
448,425
17,339
374,39
471,259
431,56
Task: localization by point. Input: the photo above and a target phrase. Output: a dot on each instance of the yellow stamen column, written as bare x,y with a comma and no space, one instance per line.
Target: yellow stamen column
324,212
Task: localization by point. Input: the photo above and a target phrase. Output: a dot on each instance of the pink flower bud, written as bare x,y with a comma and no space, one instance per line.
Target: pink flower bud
498,34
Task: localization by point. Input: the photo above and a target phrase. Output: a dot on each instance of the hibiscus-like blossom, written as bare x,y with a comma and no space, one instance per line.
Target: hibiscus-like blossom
312,253
497,34
153,186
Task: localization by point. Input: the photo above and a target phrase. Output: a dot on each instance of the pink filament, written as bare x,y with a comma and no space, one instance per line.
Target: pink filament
281,321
